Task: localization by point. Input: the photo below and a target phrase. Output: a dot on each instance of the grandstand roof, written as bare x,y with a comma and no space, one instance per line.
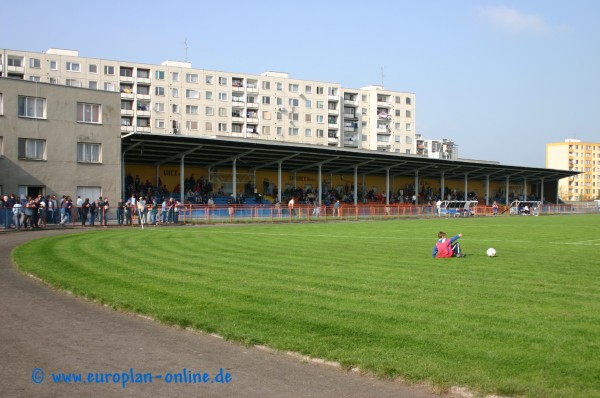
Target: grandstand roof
157,149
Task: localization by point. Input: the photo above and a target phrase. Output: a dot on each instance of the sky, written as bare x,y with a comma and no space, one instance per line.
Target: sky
499,78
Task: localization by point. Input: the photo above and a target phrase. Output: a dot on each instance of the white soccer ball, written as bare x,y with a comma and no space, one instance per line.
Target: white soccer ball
491,252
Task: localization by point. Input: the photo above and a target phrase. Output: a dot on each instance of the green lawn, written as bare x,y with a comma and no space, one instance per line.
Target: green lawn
366,294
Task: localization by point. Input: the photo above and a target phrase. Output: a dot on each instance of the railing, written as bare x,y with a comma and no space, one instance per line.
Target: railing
224,214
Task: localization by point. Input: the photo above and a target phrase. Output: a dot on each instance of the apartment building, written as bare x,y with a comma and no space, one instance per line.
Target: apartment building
59,140
175,98
575,155
436,149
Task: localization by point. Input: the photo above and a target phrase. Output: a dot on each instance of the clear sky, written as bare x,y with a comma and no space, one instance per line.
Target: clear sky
501,78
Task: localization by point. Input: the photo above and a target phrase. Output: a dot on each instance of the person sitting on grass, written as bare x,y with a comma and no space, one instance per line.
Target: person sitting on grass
446,248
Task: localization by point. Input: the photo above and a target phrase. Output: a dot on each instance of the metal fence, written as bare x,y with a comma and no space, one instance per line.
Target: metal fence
204,214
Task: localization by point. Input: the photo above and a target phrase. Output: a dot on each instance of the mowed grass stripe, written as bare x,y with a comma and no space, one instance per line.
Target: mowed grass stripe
365,294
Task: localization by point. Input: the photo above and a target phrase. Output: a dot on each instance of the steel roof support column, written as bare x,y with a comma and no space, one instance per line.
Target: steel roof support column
387,186
442,187
466,187
355,185
279,180
320,193
487,190
506,191
525,188
542,190
158,176
234,178
416,187
182,179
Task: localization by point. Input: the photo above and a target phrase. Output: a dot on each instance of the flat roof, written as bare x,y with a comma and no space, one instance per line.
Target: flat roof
208,152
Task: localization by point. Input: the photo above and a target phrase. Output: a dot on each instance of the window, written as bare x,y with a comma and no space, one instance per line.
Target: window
266,130
160,123
110,86
308,104
208,96
109,70
266,100
320,133
160,107
175,92
93,85
407,126
143,122
293,102
222,127
160,75
408,139
15,61
266,115
222,112
209,80
279,130
408,101
191,78
195,94
308,118
408,114
89,113
143,73
223,96
53,65
320,105
175,76
320,90
73,67
32,107
279,116
308,133
1,105
89,153
293,88
209,111
125,72
320,119
397,100
222,82
73,83
126,105
93,68
191,109
397,112
191,125
364,98
294,116
293,131
160,91
279,86
143,90
266,85
236,128
34,63
308,89
35,78
175,108
32,149
52,80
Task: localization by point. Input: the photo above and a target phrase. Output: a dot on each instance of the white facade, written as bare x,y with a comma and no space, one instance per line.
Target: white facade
174,98
576,156
436,149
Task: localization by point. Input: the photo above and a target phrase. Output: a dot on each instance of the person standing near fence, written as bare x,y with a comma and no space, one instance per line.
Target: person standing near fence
495,208
291,207
104,212
120,212
85,209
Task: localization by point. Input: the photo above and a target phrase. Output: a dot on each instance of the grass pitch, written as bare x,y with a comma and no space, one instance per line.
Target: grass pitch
366,294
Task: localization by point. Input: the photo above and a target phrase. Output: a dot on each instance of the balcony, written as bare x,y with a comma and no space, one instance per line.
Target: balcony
332,111
238,99
350,116
333,98
252,105
350,102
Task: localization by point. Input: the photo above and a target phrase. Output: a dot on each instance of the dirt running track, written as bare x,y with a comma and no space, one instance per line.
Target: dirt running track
55,332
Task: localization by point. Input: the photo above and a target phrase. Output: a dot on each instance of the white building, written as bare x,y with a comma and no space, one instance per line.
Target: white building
174,98
436,149
575,155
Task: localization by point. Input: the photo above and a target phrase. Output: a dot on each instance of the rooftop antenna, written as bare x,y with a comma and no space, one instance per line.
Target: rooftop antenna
186,49
382,76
